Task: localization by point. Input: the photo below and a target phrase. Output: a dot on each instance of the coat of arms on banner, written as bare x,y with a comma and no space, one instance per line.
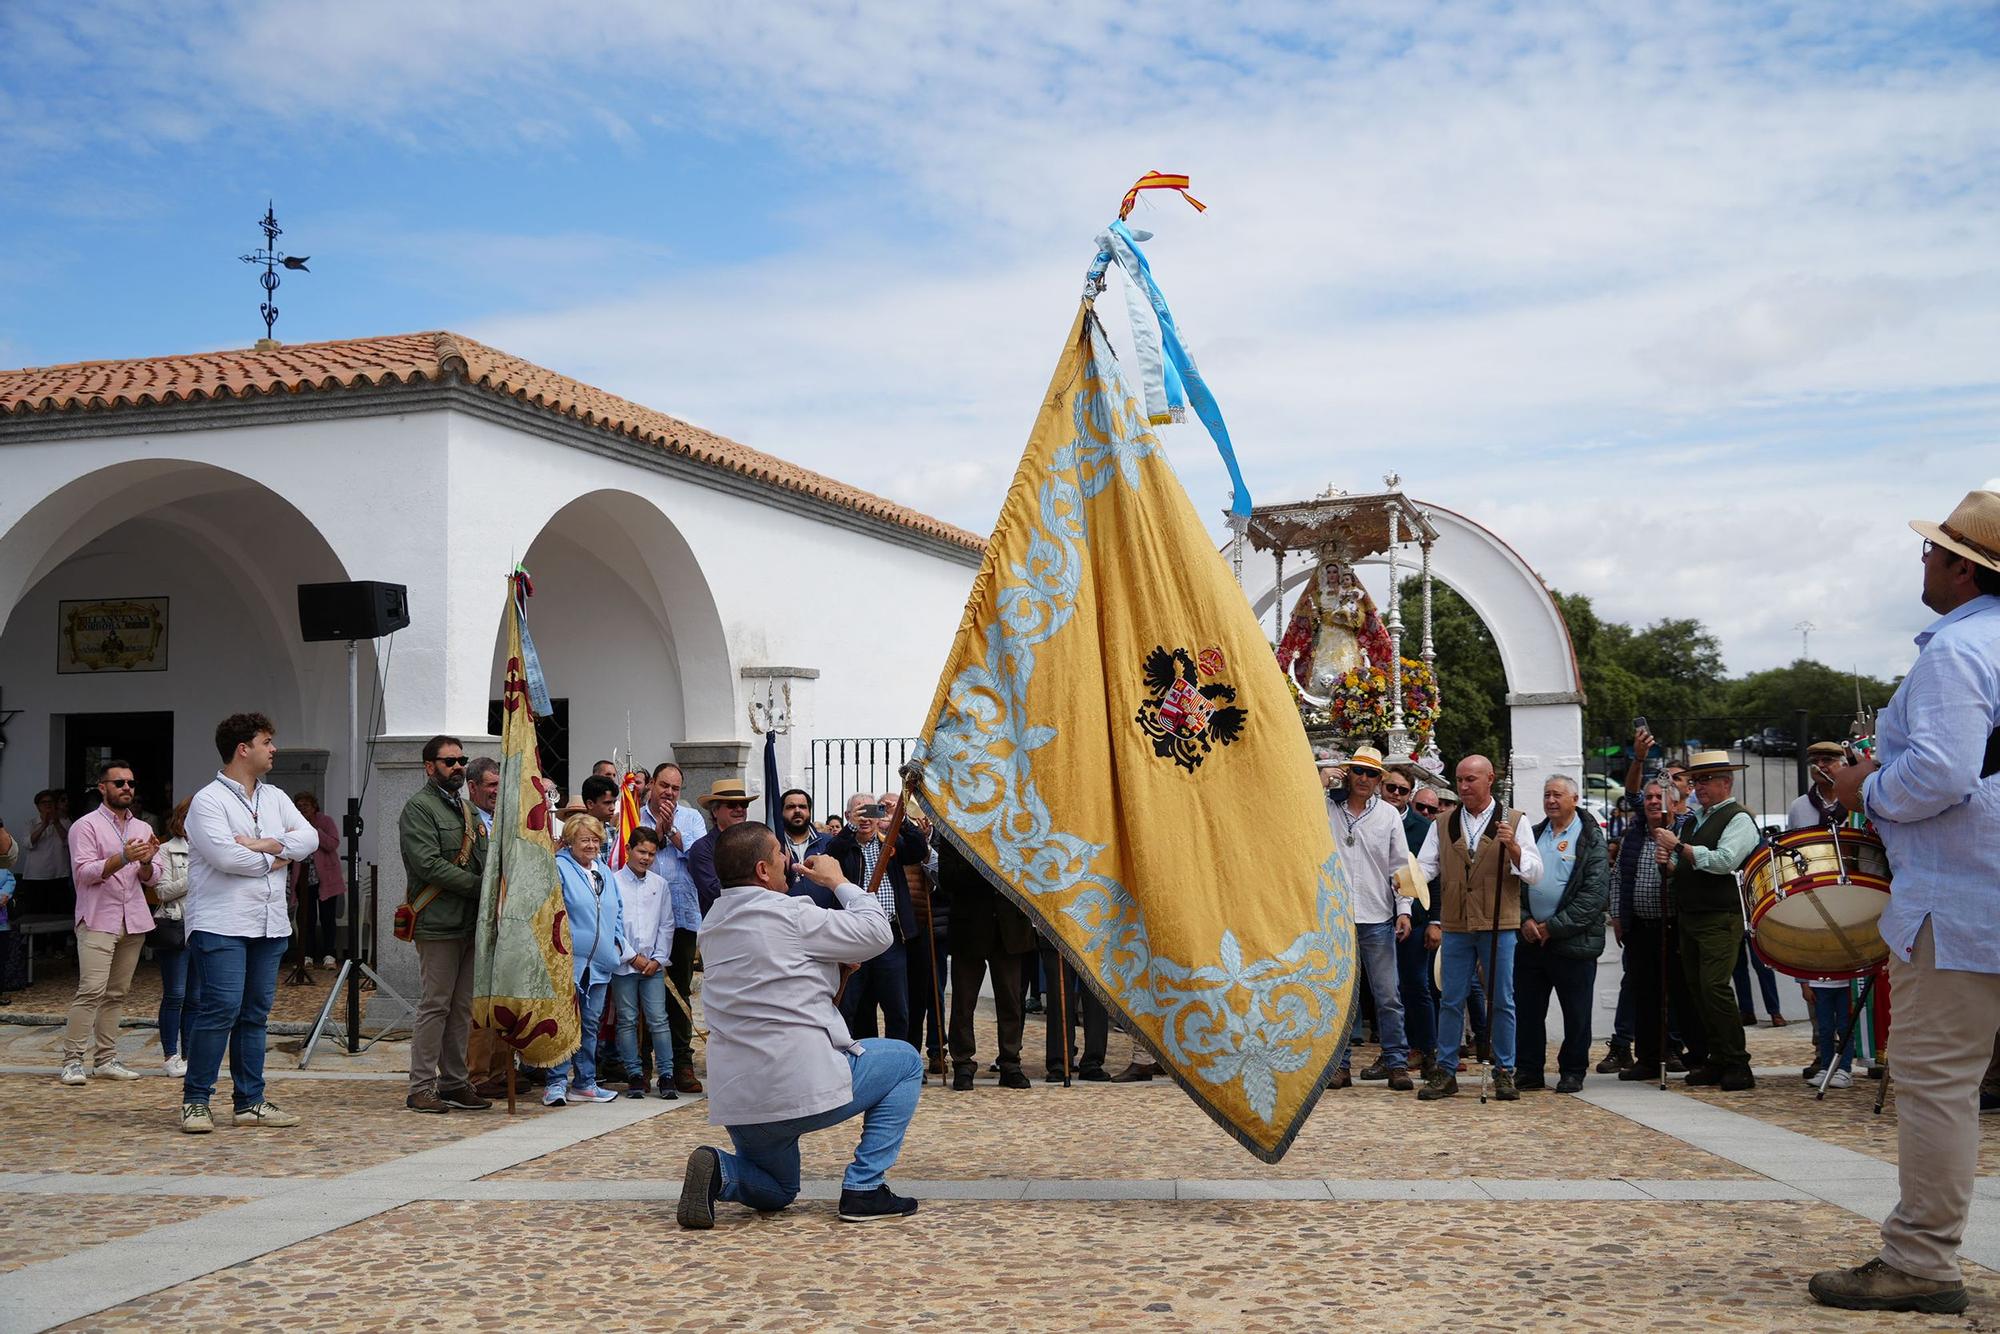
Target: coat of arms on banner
1186,720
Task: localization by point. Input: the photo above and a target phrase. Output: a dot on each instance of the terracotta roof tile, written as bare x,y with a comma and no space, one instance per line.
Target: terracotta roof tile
416,358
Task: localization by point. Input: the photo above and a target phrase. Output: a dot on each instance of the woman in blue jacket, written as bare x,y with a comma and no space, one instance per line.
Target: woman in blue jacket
597,947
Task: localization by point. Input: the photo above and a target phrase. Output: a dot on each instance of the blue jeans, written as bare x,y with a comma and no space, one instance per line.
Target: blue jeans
1420,1004
1831,1009
239,980
1377,953
1460,949
887,1078
582,1069
647,995
1767,981
180,991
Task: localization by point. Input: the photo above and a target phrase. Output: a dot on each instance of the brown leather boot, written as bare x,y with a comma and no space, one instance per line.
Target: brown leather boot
1880,1286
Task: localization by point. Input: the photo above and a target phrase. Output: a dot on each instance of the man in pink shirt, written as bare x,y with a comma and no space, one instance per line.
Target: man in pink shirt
111,858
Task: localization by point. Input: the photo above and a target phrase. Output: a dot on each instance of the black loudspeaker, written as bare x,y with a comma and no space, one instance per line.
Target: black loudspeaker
363,610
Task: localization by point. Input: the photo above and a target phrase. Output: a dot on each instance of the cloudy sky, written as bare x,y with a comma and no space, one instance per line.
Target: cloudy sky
1694,304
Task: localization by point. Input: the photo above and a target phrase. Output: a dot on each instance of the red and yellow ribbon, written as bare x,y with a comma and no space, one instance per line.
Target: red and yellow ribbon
1159,180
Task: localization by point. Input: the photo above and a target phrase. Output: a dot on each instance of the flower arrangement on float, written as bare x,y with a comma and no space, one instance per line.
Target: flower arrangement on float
1359,706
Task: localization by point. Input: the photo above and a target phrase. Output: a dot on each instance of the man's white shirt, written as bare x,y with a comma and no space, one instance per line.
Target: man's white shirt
1373,860
1473,827
233,891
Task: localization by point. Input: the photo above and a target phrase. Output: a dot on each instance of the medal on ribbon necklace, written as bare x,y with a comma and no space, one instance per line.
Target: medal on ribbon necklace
1351,820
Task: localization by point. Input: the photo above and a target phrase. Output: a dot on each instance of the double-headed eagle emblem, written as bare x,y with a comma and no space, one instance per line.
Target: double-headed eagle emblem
1186,719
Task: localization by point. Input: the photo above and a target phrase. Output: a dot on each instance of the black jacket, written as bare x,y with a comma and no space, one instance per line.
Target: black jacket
910,850
1576,927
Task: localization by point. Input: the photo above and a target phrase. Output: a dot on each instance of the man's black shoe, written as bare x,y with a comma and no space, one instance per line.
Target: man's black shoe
1531,1083
1704,1075
700,1189
1640,1074
1014,1079
1618,1058
1570,1084
635,1091
961,1080
1737,1079
1676,1066
665,1089
874,1206
1378,1071
1093,1074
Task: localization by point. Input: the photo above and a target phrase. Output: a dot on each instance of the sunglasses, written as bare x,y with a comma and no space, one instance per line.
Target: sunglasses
1427,810
119,782
450,761
1395,791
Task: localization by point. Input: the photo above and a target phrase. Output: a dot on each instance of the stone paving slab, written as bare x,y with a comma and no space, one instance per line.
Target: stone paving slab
43,1227
133,1127
1060,1265
1846,1117
1154,1132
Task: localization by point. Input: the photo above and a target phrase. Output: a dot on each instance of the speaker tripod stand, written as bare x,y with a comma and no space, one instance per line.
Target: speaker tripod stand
352,970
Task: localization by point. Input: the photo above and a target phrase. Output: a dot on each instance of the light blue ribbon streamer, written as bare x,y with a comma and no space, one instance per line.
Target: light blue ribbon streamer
1170,377
531,662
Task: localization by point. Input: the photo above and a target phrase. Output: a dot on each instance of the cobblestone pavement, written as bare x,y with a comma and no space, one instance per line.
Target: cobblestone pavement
1060,1265
1091,1207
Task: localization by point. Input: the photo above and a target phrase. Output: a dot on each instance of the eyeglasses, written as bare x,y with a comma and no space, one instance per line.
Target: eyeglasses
450,761
119,782
1422,809
1395,791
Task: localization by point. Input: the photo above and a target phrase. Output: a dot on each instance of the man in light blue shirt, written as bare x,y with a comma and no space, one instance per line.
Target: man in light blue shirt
680,827
1932,790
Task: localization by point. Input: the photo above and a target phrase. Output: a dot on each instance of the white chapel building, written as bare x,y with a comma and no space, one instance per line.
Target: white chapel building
683,583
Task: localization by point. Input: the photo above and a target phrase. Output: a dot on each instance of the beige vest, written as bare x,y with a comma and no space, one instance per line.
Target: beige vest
1466,882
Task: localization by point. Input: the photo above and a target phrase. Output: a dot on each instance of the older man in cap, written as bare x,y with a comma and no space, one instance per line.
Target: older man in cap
1700,873
1932,792
1370,833
1817,807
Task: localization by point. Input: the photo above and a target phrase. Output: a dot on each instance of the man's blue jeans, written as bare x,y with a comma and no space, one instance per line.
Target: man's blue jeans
239,980
582,1068
643,995
1831,1008
1460,949
1377,956
887,1078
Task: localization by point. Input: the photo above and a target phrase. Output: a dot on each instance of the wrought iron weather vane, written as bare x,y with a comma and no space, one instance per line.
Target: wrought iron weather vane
273,259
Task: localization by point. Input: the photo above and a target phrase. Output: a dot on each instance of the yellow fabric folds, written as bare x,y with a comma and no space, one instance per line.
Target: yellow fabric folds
1113,744
523,983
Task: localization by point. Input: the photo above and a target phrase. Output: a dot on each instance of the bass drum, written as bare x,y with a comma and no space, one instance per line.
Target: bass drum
1815,898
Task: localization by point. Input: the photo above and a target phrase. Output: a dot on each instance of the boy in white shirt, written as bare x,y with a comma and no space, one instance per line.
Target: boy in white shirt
640,984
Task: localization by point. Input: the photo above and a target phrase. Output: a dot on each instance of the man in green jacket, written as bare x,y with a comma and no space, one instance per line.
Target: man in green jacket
1562,933
444,856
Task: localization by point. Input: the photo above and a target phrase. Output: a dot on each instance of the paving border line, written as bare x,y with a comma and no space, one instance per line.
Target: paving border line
96,1278
1848,1178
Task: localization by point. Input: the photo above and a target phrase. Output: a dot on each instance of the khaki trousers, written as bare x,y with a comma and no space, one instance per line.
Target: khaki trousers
1944,1026
444,1015
105,961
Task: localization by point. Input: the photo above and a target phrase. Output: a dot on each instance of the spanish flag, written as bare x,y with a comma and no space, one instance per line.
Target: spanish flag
523,985
1113,745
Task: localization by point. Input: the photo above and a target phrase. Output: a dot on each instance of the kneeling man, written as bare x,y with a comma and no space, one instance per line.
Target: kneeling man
781,1062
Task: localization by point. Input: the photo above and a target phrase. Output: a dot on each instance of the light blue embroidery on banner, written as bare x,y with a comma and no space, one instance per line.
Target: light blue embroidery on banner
1237,1020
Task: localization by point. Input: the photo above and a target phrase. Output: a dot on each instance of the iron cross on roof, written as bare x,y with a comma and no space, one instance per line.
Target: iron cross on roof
272,259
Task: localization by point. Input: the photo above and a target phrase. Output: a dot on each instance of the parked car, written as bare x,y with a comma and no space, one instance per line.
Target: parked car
1771,741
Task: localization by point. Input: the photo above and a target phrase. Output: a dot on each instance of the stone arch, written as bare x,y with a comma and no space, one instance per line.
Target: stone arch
174,528
1544,686
625,619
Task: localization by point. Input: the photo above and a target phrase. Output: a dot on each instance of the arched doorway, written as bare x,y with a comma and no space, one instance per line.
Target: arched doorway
630,639
218,556
1544,688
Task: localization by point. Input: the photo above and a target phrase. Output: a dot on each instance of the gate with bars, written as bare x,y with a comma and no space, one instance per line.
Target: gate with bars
837,767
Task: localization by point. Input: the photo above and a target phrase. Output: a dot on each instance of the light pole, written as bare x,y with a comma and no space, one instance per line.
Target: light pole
1805,629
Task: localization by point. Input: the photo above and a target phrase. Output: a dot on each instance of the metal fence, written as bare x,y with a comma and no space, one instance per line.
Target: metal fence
1773,748
840,766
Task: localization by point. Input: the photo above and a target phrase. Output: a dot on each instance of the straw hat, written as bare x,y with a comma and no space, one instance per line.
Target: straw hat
1366,757
1972,530
727,789
1831,748
1705,762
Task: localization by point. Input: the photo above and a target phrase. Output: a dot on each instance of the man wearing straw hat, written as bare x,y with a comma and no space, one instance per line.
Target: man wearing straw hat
1700,873
1370,832
1932,792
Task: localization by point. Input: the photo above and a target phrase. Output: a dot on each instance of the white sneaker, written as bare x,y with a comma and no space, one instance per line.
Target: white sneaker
1841,1080
328,962
117,1069
73,1073
176,1066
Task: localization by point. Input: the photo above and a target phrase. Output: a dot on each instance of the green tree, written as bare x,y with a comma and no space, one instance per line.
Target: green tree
1825,693
1471,683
